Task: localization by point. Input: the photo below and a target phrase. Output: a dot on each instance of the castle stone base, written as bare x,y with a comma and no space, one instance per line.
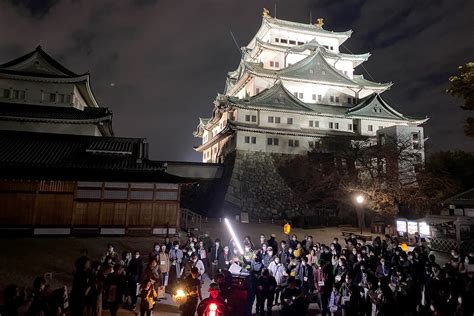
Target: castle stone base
256,187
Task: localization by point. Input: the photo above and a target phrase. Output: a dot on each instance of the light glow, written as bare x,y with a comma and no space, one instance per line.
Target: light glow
234,237
360,199
213,309
424,228
401,226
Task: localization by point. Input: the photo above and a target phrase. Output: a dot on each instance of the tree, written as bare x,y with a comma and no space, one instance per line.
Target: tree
388,173
462,85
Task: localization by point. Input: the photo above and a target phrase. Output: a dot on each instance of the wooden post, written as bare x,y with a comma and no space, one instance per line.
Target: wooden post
153,207
101,204
129,195
35,204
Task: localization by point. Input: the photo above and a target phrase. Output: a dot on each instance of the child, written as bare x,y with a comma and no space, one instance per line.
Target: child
148,295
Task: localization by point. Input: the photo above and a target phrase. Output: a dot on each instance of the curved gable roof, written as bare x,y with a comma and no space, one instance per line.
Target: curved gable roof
374,106
275,97
37,62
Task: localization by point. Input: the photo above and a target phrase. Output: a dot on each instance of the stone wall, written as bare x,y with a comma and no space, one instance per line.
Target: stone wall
256,187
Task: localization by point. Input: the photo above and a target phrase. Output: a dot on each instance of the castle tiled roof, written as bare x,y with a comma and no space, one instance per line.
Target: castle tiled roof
25,155
53,114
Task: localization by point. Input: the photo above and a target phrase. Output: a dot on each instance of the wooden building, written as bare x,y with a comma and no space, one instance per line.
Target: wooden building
72,184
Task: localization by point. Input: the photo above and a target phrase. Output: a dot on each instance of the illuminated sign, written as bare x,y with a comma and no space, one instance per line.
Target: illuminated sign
412,227
424,228
401,226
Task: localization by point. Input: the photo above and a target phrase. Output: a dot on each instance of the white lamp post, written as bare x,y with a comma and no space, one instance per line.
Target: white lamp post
360,200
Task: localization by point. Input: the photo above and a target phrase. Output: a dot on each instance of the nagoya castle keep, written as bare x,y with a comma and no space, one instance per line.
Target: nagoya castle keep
292,88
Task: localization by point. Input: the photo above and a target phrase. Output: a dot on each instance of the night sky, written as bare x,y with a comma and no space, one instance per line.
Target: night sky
159,64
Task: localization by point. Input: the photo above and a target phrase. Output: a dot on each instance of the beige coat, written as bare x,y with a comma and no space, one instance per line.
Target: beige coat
164,262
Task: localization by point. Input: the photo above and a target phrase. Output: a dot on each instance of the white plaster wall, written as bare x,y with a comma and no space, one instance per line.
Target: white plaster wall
33,91
376,124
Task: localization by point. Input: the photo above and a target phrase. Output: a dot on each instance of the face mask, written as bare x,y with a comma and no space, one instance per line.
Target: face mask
137,256
270,253
157,248
176,247
192,245
217,244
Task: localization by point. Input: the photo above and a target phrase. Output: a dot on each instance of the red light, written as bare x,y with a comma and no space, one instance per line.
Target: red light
212,309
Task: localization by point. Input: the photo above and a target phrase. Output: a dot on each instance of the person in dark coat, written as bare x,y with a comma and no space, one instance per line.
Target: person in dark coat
115,287
80,286
304,273
273,243
135,271
266,287
216,257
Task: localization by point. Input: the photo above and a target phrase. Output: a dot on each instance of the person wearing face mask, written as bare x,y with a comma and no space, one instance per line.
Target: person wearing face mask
277,270
262,240
217,257
202,254
267,257
196,263
228,257
164,264
155,252
293,242
247,258
349,297
304,273
176,259
135,271
283,254
337,246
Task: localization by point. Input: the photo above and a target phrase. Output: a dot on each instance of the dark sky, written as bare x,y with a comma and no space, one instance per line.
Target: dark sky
159,64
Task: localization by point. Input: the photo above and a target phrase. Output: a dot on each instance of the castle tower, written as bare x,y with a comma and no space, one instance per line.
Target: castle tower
292,88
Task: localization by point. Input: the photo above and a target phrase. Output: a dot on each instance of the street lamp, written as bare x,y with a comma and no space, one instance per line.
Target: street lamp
360,200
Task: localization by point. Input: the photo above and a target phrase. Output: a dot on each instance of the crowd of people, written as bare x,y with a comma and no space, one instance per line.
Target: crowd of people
348,278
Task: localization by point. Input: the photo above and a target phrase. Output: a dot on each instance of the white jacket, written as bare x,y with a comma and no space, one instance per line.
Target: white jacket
276,270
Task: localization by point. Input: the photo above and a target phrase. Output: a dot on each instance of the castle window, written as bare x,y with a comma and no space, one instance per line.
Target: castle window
337,99
254,140
247,139
277,120
336,125
300,43
300,95
320,97
270,119
331,98
283,41
277,64
349,127
297,143
269,141
272,64
247,118
277,40
331,48
295,94
311,123
370,128
349,100
275,141
254,118
415,136
292,42
52,97
331,125
289,120
61,98
6,93
416,146
314,97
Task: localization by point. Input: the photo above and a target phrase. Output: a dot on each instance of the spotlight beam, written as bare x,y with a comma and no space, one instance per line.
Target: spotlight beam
234,236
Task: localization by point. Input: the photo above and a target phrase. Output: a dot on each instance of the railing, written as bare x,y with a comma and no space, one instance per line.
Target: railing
190,220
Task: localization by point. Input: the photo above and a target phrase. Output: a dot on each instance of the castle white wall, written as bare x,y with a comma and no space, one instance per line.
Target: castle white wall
38,93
